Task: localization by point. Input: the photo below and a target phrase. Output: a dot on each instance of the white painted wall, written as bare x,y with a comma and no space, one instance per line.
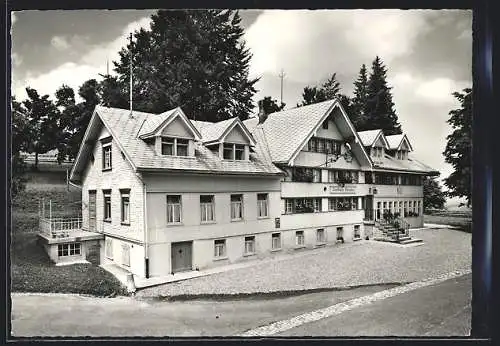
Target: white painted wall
121,176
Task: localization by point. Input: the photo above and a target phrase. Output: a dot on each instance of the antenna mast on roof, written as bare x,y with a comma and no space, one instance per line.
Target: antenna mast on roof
130,75
281,75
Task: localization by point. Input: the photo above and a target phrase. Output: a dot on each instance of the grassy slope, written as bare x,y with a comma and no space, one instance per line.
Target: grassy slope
31,268
460,219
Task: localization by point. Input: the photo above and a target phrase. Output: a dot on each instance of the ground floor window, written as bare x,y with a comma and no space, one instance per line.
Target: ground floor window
377,215
126,255
320,236
109,248
357,232
249,245
70,249
220,248
340,233
276,241
299,238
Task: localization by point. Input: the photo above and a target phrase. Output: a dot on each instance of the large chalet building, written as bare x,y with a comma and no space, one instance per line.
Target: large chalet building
168,194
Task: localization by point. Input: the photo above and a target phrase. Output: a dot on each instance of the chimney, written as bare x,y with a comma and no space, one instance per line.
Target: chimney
262,112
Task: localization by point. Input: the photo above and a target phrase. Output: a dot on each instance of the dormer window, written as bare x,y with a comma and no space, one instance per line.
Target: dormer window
172,146
234,151
377,152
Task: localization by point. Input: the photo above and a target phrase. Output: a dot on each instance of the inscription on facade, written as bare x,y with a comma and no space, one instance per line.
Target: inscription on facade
334,189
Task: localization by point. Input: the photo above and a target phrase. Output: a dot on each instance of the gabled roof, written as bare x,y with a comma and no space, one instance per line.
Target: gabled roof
156,122
216,132
142,157
286,132
370,137
396,141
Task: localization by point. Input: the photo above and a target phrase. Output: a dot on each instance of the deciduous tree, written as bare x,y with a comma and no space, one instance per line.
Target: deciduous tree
434,197
458,148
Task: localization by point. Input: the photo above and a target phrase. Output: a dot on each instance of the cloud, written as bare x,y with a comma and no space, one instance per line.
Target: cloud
438,89
16,59
59,43
74,73
307,43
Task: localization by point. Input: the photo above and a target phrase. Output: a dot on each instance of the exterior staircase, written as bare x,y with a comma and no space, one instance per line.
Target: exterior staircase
389,231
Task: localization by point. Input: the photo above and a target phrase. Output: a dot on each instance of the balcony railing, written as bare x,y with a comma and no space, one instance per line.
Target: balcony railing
59,227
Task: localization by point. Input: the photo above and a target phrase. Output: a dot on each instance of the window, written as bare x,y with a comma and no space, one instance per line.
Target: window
236,207
343,176
233,151
174,146
220,248
276,241
299,238
368,178
378,210
320,145
340,233
288,206
107,205
70,249
207,206
316,175
325,124
106,156
405,209
306,175
262,205
249,245
167,146
357,232
418,208
342,203
109,248
239,152
173,209
125,203
126,255
320,236
389,208
303,205
400,208
312,145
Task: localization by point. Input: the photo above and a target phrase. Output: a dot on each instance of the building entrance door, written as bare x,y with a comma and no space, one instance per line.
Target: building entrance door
369,208
92,211
182,256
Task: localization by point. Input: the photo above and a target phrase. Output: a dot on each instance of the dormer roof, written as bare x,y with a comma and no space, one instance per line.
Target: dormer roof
155,123
397,141
213,133
371,137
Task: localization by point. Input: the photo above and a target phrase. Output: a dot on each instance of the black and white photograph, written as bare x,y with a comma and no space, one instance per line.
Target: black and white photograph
241,173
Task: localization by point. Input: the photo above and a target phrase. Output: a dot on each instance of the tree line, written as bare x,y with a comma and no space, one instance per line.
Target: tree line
196,60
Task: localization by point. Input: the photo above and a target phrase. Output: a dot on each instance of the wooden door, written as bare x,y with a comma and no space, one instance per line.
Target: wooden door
181,256
92,211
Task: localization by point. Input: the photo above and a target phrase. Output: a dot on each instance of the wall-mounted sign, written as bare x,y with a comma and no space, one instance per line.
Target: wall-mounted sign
277,222
343,189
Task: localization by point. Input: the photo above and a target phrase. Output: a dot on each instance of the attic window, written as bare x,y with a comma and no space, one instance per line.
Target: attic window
174,146
234,151
325,124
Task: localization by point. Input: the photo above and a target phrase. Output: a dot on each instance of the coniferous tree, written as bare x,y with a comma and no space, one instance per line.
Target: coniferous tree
358,105
379,110
194,59
329,90
458,147
270,105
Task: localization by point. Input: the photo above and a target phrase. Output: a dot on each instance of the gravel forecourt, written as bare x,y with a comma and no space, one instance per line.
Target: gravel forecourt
360,263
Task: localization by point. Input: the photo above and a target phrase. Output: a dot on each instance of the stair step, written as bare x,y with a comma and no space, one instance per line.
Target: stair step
410,241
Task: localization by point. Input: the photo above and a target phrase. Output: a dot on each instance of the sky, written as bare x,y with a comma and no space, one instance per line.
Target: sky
428,54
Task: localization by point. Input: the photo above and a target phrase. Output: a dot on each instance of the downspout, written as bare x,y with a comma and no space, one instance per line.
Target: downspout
145,225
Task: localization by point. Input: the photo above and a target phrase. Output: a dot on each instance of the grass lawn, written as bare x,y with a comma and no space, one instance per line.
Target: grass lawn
462,220
31,268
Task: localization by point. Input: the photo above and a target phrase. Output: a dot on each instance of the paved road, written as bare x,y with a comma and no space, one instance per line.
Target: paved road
439,310
442,309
